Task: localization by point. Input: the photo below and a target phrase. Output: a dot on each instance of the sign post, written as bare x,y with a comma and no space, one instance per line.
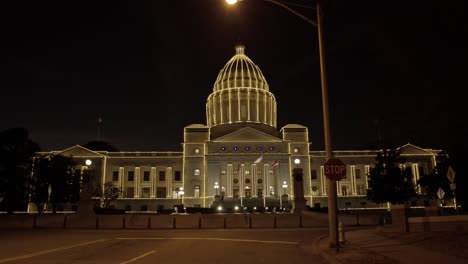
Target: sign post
451,177
441,194
334,170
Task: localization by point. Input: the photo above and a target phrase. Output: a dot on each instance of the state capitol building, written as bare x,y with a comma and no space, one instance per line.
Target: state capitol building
238,158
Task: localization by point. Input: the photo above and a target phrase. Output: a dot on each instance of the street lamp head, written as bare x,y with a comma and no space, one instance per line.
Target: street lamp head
297,161
88,162
232,2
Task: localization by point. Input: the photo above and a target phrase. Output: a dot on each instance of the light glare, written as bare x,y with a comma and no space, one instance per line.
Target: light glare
231,2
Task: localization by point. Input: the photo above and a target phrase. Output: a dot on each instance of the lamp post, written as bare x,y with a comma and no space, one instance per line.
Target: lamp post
285,185
216,187
331,184
181,193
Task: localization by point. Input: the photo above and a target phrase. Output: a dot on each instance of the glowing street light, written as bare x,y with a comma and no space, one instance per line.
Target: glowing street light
331,184
216,186
88,162
297,162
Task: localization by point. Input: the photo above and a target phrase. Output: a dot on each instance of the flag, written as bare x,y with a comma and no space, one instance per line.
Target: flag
259,159
276,163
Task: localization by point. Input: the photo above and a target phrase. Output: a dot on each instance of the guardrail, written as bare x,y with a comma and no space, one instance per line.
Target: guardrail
173,221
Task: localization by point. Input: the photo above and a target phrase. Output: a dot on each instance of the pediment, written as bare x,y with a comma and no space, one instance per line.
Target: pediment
79,151
247,134
410,149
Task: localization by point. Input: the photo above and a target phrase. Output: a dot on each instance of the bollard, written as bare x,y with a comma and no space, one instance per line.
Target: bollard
341,233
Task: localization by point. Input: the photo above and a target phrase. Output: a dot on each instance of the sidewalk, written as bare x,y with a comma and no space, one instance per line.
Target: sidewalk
379,245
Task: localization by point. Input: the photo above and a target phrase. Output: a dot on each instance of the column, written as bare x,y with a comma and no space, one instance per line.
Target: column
415,170
121,181
254,180
353,179
153,182
366,173
266,180
229,180
323,181
338,186
137,182
241,173
169,182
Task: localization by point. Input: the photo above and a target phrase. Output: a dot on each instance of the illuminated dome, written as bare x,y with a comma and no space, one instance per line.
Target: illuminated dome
240,72
241,95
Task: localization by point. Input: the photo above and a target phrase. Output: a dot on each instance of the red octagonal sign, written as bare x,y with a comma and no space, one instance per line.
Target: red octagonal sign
335,169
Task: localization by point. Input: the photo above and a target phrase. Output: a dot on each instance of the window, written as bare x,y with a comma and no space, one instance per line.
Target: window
130,192
161,192
360,189
235,192
259,192
162,175
196,172
197,191
177,176
247,180
345,190
145,192
115,176
358,173
259,172
315,190
223,172
146,176
247,172
130,175
271,172
313,174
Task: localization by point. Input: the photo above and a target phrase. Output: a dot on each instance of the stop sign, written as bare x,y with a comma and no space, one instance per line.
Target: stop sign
335,169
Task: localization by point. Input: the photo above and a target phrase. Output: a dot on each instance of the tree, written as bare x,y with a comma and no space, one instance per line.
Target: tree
388,182
437,178
60,173
16,154
110,194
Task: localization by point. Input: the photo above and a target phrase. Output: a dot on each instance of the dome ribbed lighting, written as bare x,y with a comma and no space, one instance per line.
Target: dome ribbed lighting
241,94
240,72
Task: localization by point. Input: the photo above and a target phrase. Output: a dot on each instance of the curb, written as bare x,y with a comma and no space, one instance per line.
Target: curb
316,248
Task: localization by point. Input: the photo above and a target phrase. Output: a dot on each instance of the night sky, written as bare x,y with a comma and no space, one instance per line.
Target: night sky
147,67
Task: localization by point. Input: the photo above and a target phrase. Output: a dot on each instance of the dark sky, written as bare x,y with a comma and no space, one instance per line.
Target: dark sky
148,67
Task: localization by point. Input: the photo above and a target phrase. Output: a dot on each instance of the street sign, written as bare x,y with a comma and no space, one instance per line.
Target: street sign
451,174
334,169
440,193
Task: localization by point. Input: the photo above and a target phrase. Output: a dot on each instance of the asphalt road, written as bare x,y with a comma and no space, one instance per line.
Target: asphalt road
239,246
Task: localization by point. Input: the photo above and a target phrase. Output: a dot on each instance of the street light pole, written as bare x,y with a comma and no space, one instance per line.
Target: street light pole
331,185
